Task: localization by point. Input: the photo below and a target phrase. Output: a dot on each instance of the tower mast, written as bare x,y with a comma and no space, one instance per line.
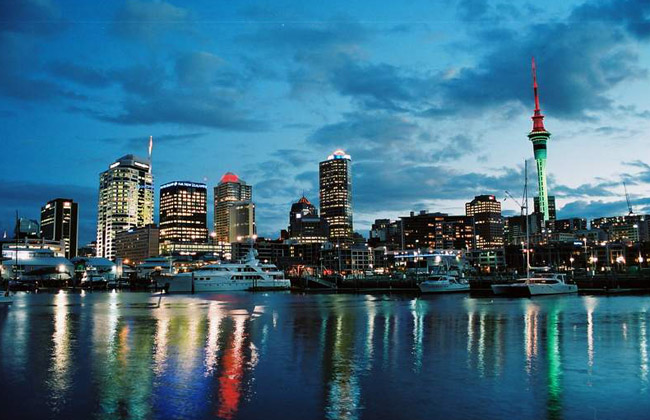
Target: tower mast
539,137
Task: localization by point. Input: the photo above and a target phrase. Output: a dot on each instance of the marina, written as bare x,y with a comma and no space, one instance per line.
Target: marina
244,355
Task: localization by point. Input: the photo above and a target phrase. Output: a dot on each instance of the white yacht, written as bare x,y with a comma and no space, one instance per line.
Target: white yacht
443,283
537,285
250,274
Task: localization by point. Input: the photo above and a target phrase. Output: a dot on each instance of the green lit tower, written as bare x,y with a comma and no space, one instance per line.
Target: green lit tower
539,136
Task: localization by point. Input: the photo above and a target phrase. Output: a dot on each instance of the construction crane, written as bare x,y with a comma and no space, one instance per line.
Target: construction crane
627,198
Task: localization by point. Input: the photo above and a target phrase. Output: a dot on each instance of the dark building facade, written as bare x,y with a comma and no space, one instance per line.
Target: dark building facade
488,223
552,212
335,180
183,216
60,222
437,231
304,224
386,232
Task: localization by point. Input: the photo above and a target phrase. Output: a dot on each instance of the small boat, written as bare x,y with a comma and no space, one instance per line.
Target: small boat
538,285
92,278
443,283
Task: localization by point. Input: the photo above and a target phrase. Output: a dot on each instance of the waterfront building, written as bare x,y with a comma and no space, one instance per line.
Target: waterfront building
234,210
88,250
514,228
386,232
137,244
570,225
268,251
60,222
304,224
488,223
347,259
335,182
183,217
126,200
26,229
630,228
436,231
539,137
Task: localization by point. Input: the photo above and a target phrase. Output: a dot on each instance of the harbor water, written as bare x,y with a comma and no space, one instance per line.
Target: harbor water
281,355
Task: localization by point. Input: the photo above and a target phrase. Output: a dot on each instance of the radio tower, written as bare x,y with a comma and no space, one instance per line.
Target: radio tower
539,136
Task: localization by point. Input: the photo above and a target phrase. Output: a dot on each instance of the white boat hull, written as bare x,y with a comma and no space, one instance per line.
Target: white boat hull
437,287
183,284
522,289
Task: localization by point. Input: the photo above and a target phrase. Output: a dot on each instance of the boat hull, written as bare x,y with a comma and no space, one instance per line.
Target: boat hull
528,290
184,285
426,287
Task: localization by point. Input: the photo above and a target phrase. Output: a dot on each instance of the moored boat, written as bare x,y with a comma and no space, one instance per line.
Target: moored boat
538,285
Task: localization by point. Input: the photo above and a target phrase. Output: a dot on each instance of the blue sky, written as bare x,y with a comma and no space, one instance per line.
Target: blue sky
432,100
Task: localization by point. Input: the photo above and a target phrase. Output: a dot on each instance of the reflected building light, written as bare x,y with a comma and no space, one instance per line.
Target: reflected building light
624,328
643,349
417,335
61,349
590,305
215,318
371,312
232,372
161,341
481,344
530,336
554,366
344,393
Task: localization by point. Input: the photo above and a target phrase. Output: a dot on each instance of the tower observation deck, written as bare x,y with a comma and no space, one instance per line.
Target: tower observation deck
539,136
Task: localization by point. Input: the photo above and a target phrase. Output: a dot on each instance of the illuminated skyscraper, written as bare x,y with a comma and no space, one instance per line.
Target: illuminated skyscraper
488,223
234,211
126,200
539,136
59,222
183,216
335,176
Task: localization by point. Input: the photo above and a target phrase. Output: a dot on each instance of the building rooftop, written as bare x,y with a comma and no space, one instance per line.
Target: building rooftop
339,154
231,177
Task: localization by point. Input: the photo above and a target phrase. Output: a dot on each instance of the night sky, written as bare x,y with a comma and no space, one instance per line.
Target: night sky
433,101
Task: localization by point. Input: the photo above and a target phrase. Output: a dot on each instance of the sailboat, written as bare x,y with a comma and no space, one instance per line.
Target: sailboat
542,282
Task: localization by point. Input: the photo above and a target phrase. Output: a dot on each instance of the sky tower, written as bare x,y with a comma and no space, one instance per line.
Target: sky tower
539,136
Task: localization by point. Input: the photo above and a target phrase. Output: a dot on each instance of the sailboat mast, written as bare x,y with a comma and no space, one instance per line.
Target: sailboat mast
527,221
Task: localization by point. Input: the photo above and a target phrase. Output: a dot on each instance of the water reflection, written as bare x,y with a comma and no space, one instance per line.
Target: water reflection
343,357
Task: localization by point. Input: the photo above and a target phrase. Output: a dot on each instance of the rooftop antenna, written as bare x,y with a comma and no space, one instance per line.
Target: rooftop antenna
627,198
150,150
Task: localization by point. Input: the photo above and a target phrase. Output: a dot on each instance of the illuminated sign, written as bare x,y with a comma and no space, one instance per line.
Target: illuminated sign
182,184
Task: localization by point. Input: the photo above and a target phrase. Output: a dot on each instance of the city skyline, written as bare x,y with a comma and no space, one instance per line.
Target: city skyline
449,123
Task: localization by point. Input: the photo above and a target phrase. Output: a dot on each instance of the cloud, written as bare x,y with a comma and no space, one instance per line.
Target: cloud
31,17
149,20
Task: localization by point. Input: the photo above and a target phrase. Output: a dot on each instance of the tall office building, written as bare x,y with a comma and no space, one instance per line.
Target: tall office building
234,210
183,216
335,179
304,224
539,137
60,222
488,223
126,200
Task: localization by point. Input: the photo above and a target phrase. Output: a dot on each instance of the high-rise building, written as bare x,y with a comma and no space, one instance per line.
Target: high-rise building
60,222
386,232
234,211
539,137
488,223
304,224
437,231
183,216
126,200
136,244
552,212
335,178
